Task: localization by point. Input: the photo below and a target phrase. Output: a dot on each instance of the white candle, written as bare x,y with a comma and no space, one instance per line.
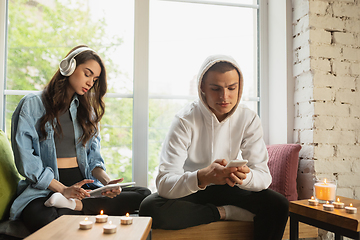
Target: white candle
86,224
351,209
313,201
328,207
101,218
338,204
109,228
126,220
325,191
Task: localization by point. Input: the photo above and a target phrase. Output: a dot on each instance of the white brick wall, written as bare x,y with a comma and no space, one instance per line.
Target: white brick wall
327,98
326,22
344,38
320,36
341,67
332,165
322,64
325,122
318,7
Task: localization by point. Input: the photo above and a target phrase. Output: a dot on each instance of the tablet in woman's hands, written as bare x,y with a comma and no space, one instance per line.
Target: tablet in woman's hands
98,192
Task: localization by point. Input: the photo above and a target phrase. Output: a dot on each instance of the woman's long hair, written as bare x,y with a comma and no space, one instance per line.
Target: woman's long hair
91,105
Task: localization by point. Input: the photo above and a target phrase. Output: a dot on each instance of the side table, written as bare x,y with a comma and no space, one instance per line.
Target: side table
337,221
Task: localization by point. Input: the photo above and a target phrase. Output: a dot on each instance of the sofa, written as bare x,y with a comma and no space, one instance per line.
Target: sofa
9,178
283,165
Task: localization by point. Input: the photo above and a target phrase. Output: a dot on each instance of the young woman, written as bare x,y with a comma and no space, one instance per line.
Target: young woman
56,145
194,185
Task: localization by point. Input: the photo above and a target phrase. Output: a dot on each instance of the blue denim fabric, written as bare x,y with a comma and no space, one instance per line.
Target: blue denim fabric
36,160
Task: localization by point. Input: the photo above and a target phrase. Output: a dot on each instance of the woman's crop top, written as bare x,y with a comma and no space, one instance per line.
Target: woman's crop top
65,144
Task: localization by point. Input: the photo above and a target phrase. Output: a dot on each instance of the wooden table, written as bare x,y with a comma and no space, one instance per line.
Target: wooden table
337,221
67,227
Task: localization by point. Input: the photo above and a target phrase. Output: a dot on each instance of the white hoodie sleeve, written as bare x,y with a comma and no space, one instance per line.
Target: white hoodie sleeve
254,150
172,181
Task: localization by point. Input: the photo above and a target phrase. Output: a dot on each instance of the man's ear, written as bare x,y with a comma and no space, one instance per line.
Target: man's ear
202,88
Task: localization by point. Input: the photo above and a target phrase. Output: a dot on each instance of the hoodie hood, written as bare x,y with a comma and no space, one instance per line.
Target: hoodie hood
208,63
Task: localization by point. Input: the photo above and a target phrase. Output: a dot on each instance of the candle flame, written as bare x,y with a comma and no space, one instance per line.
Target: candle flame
127,214
351,205
338,200
86,218
312,198
325,180
101,212
110,222
327,202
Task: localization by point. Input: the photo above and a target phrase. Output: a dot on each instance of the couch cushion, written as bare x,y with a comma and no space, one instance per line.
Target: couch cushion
13,229
9,176
283,165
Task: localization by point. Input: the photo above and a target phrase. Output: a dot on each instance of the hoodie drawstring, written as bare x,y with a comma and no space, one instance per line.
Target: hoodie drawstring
212,139
230,140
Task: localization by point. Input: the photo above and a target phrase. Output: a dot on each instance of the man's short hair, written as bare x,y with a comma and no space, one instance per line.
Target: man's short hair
221,67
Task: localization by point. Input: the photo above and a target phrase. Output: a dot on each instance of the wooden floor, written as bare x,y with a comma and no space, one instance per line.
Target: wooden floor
225,230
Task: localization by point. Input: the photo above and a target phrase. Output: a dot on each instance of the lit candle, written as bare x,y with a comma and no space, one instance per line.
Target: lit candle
109,228
325,191
328,207
338,204
126,220
86,224
313,201
351,209
102,217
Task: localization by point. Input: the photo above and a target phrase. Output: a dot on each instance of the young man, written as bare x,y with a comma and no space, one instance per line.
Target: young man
194,185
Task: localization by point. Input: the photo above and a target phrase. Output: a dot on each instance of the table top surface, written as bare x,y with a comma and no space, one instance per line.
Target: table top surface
67,227
337,217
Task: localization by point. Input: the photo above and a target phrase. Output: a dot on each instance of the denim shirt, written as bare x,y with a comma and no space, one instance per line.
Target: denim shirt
36,160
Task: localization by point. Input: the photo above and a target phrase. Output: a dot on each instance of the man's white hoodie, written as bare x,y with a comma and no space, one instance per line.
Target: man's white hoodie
196,138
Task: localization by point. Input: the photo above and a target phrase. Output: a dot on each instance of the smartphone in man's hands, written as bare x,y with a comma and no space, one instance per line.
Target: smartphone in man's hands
237,163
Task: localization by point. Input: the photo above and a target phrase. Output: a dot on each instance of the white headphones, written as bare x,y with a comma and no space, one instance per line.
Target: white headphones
67,65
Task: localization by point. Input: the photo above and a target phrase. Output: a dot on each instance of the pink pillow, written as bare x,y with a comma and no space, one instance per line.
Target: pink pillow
283,165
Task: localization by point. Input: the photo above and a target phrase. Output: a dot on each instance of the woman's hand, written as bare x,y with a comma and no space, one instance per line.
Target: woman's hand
114,192
75,191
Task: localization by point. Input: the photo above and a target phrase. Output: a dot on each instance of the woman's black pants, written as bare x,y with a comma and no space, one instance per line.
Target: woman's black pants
36,215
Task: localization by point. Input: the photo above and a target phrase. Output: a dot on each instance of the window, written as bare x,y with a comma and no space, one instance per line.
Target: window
152,50
182,35
40,33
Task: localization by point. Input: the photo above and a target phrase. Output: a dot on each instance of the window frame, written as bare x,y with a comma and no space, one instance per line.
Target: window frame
140,91
3,57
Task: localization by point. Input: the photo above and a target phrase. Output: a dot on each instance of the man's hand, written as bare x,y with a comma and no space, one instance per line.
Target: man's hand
215,173
238,176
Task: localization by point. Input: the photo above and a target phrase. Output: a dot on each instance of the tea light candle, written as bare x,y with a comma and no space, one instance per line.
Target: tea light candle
313,201
328,207
86,224
109,228
338,204
325,191
351,209
102,217
126,220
